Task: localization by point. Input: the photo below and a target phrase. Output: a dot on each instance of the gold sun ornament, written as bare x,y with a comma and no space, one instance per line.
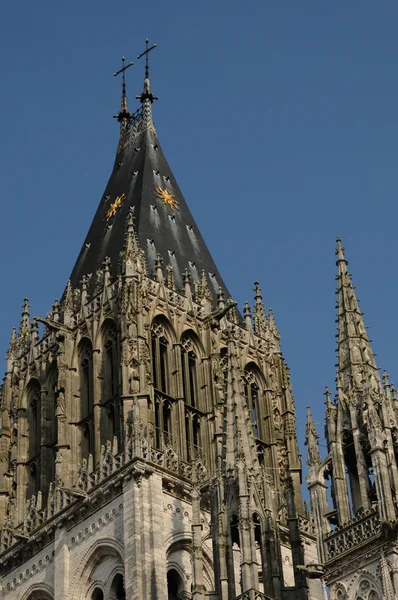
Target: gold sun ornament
166,197
114,207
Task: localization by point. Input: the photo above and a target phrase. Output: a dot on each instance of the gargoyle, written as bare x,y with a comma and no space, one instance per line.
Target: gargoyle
218,314
312,571
54,325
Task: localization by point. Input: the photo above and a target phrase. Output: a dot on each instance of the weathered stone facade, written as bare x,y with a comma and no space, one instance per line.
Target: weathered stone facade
357,536
148,446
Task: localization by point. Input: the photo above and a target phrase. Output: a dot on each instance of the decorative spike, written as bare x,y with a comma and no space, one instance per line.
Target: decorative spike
12,345
186,277
259,314
25,322
220,298
311,440
55,307
248,317
387,385
159,267
171,284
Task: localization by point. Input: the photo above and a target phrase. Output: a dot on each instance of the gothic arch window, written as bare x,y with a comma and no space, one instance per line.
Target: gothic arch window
234,557
162,337
174,585
34,419
260,551
189,365
253,385
97,594
117,588
110,400
193,393
51,413
163,421
161,355
86,422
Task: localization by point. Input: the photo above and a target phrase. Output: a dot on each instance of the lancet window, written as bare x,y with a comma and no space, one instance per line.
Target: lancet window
163,421
234,557
34,432
52,410
86,398
111,407
160,357
174,585
117,588
193,393
252,393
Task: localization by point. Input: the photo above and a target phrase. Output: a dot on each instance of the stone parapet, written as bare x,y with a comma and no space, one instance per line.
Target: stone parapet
366,526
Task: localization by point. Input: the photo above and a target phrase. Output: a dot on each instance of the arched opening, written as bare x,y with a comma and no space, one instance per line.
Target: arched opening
260,553
53,409
174,584
117,588
110,400
234,558
160,356
163,424
252,393
34,427
86,422
193,390
97,594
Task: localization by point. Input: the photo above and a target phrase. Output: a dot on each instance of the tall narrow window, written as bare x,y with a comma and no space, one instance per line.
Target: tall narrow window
163,431
160,357
86,400
110,401
34,428
252,398
189,372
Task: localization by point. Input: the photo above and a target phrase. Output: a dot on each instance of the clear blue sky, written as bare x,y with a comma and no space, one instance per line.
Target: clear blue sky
279,120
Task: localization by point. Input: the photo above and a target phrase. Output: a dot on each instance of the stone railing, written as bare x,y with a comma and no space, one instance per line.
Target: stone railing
364,527
138,445
306,526
253,595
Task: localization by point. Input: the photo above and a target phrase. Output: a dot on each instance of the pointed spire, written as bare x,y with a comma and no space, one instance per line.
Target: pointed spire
355,356
311,440
259,314
12,346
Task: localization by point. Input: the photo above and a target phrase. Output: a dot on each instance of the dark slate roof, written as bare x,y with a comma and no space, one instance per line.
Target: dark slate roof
140,168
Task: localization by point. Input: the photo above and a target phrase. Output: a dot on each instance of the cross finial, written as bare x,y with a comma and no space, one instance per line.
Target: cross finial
123,71
123,112
145,53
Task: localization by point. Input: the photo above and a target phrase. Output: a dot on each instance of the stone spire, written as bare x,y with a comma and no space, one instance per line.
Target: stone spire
355,356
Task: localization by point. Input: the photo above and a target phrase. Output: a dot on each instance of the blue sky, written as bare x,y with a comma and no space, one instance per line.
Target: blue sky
279,120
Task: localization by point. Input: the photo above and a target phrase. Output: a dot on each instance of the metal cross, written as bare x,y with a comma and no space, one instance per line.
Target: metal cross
146,52
123,70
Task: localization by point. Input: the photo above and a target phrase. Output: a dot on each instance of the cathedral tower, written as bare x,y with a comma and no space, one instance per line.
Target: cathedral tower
148,444
357,536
